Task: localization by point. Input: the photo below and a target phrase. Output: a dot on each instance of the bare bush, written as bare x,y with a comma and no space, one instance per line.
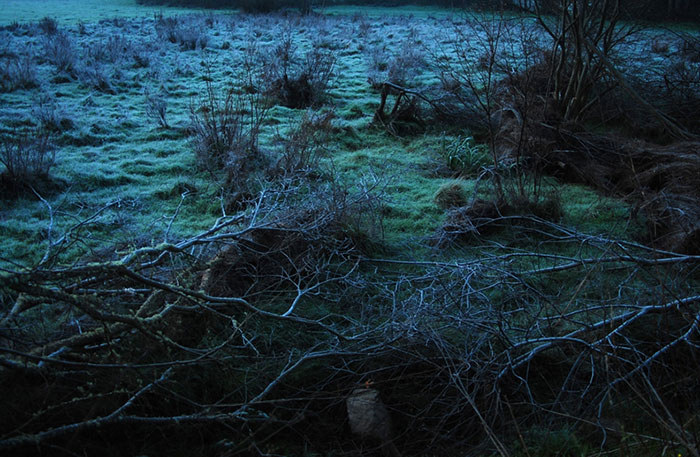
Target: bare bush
584,37
50,115
469,73
400,67
27,157
298,81
18,73
48,25
166,27
94,74
305,143
377,58
142,57
252,66
183,31
157,107
118,47
191,38
679,94
60,51
113,50
226,129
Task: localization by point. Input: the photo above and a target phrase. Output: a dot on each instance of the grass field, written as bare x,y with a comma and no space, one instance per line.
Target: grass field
74,11
457,249
114,155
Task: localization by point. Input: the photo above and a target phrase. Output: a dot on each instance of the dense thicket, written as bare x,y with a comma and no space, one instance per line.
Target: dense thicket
270,5
653,10
684,10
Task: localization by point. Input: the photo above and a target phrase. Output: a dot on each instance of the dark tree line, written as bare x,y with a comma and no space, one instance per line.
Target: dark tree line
654,10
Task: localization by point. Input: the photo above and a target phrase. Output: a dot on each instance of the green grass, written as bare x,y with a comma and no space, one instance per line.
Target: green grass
116,153
86,11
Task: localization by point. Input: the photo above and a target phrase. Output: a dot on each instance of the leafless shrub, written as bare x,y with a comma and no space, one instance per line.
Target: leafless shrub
364,25
27,157
60,51
302,147
113,50
298,81
399,67
406,63
680,89
469,73
98,52
50,115
584,38
226,129
157,107
184,31
191,37
377,58
117,47
18,73
252,66
142,57
166,27
48,25
93,74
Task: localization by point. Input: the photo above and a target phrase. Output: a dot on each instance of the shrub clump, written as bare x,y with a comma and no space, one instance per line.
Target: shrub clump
303,146
18,73
48,25
221,129
399,67
225,140
50,116
93,75
157,107
298,81
60,51
185,32
27,158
